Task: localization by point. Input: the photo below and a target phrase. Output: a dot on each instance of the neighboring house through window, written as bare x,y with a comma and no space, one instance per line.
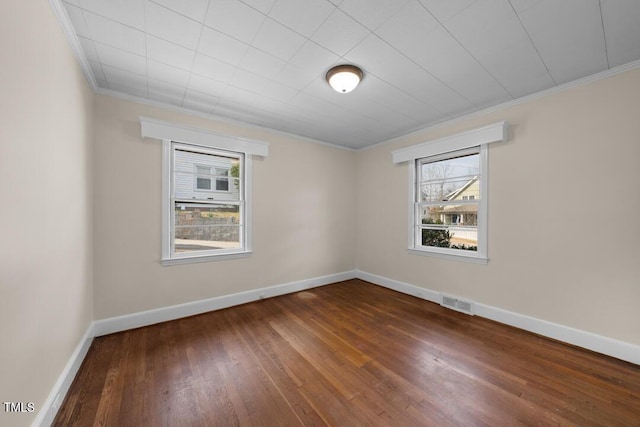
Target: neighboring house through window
449,216
222,183
203,177
448,190
206,193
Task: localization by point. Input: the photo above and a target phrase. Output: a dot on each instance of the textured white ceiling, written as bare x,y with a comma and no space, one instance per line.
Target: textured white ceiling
263,61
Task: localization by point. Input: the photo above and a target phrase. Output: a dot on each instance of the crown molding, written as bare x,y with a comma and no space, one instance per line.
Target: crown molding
503,106
71,36
64,21
217,118
61,15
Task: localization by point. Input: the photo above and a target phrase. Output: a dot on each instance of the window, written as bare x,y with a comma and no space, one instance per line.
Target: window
213,222
203,177
444,184
206,189
222,183
448,203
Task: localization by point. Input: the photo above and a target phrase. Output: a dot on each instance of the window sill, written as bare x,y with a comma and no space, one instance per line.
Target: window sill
475,259
204,258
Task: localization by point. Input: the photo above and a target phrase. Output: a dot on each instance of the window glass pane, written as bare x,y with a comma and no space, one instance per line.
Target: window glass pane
222,184
203,183
205,227
451,189
450,179
449,226
205,176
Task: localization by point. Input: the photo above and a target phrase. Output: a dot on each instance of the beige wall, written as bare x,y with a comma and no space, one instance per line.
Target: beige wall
564,234
303,218
80,224
45,220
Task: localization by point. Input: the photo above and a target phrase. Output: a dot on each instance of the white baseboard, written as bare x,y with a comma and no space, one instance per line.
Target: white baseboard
97,328
403,287
618,349
150,317
51,405
598,343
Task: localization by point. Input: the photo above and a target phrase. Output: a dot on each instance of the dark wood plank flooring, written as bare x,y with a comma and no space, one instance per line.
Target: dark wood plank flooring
346,354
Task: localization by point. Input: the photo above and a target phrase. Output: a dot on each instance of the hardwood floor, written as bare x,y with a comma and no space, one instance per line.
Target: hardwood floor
346,354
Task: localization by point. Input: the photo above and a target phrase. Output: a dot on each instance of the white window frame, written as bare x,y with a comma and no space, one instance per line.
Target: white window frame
168,133
481,138
416,240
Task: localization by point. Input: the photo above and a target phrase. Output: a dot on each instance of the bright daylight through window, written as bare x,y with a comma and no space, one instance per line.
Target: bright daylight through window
447,199
207,219
448,191
206,192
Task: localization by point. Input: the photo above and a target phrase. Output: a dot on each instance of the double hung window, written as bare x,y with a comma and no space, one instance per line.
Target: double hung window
209,220
206,192
447,201
448,189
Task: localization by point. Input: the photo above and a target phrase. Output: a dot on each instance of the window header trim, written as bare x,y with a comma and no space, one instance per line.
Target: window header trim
485,135
158,129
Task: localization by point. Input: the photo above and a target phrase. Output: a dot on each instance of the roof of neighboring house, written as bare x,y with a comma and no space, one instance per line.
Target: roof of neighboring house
456,193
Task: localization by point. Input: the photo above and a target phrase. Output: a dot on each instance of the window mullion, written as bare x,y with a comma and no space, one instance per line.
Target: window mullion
207,202
450,203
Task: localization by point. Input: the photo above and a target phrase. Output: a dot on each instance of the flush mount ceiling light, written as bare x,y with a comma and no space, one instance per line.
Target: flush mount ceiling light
344,78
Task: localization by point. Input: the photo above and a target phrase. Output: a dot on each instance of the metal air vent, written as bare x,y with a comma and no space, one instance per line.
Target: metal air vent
457,304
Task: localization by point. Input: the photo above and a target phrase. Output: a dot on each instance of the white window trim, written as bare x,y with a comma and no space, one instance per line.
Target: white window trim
481,137
168,133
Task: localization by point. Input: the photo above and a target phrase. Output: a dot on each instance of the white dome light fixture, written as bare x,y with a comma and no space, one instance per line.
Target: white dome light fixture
344,78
